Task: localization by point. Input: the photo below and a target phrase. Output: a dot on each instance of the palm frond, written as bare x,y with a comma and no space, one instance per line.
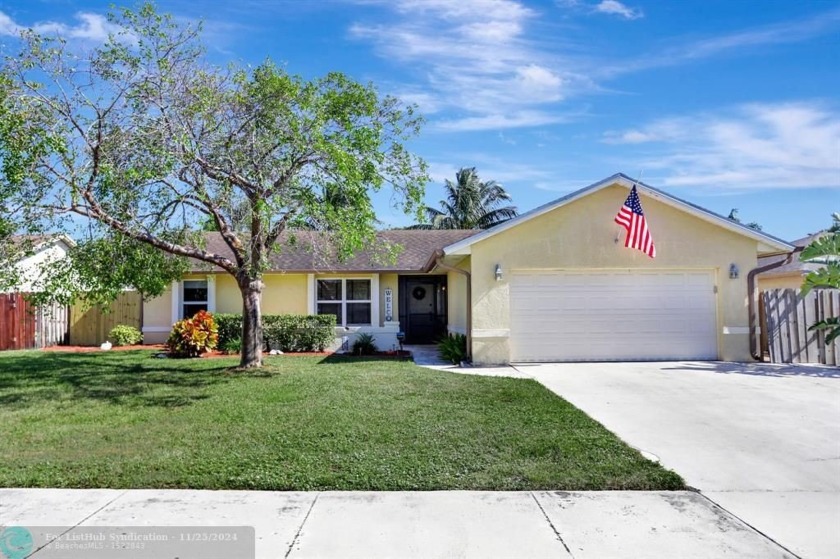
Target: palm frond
495,217
470,203
831,324
829,276
827,247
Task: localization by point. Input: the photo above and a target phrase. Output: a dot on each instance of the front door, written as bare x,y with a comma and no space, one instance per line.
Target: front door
423,308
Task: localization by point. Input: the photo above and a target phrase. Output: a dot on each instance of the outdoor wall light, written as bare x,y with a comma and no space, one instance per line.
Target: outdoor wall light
733,271
498,272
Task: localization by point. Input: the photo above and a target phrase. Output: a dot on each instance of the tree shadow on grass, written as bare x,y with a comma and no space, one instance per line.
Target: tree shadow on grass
128,378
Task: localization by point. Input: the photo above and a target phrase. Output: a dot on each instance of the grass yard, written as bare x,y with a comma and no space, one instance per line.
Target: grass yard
128,420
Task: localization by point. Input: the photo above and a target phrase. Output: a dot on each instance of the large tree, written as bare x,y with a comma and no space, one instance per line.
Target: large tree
470,204
149,141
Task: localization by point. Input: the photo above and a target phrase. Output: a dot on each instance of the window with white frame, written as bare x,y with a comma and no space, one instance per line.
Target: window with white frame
348,299
194,297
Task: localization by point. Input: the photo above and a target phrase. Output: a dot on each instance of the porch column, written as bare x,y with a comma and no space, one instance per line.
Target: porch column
211,293
310,294
176,301
374,301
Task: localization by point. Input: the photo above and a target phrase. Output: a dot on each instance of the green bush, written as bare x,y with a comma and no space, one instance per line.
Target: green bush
286,332
295,332
193,336
453,348
364,345
230,327
231,346
122,334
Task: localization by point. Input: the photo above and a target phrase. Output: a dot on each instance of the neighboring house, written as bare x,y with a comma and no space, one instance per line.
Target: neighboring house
22,325
789,275
554,284
31,254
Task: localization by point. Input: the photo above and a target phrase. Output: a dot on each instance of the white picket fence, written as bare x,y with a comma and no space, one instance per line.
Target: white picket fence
787,317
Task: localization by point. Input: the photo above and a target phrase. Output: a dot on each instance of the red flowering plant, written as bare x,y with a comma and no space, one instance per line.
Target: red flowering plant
194,336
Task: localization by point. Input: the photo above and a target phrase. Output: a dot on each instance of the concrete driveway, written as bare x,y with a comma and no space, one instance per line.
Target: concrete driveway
762,441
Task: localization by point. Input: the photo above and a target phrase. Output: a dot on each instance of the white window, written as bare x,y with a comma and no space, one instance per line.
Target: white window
350,300
194,297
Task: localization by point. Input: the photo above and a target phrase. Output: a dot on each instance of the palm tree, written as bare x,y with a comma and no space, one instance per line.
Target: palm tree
469,204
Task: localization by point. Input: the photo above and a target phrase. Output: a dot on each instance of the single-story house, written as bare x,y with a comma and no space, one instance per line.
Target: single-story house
792,271
30,255
553,284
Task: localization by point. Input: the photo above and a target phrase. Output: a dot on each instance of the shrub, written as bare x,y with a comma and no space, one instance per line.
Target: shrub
286,332
364,345
122,334
231,346
453,348
193,336
295,332
229,326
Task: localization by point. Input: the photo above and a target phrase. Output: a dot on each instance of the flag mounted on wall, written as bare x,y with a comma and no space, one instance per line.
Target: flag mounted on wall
632,218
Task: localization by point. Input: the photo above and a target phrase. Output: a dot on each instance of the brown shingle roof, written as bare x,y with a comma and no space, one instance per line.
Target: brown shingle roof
795,265
18,247
310,253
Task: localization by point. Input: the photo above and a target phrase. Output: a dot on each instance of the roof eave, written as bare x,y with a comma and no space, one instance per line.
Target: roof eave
767,243
422,270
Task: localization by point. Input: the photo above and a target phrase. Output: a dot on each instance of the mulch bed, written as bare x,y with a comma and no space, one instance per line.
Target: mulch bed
402,354
90,349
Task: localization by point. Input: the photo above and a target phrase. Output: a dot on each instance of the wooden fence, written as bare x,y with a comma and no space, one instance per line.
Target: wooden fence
24,326
17,322
787,317
91,325
51,326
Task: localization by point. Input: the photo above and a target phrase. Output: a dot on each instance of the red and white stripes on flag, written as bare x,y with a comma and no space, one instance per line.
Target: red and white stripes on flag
632,218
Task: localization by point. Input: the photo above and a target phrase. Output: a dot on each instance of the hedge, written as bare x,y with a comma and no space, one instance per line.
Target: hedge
286,332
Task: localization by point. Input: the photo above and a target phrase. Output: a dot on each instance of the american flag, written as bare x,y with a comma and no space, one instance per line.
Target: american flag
632,218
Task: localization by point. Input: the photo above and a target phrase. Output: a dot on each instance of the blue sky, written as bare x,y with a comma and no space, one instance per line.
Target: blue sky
728,104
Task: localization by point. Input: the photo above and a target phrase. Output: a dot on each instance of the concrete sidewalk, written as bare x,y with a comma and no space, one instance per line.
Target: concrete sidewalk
597,525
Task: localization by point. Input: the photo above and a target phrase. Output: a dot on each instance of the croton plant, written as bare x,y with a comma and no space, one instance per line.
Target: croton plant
194,336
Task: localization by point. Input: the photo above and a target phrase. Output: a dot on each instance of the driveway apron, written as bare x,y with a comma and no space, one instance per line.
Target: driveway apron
761,441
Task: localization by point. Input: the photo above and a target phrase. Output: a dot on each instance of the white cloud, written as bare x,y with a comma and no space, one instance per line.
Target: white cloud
491,31
774,34
7,26
465,9
498,121
494,64
790,145
614,7
506,140
539,82
476,58
428,103
659,131
489,168
91,27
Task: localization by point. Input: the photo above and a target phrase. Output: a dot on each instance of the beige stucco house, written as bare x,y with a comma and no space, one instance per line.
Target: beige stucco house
554,284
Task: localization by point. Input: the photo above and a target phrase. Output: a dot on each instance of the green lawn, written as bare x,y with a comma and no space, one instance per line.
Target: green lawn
128,420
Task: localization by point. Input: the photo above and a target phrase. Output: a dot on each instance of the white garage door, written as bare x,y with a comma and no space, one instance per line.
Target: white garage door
612,316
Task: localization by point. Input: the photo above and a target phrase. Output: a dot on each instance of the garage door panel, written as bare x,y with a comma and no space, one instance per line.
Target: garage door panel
561,316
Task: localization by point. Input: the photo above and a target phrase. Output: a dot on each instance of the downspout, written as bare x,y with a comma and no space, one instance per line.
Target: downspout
438,262
754,351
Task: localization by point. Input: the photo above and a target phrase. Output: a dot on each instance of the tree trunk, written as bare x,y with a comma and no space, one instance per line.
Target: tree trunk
252,335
